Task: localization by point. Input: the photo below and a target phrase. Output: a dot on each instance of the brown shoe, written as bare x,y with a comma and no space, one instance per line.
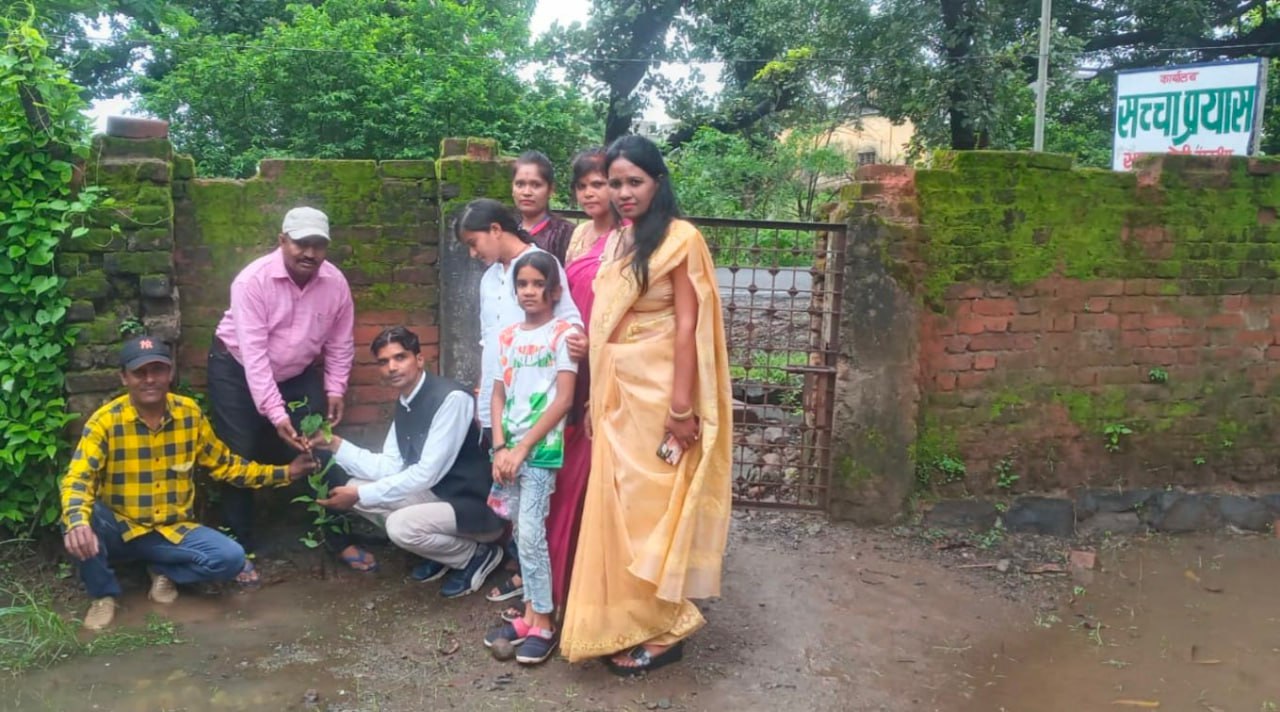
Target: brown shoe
163,589
100,613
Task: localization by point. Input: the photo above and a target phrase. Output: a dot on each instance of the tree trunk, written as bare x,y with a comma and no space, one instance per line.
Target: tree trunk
957,38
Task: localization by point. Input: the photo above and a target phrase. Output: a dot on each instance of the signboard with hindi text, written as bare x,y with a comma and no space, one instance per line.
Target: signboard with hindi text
1203,109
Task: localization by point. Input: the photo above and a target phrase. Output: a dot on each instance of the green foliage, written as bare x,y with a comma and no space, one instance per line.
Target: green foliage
323,521
1006,478
1158,375
1115,434
131,326
33,634
358,79
42,134
936,457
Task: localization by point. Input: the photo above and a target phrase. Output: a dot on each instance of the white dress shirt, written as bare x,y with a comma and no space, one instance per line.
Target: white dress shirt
392,477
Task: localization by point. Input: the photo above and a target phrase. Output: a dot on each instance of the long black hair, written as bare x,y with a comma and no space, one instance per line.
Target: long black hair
650,229
480,213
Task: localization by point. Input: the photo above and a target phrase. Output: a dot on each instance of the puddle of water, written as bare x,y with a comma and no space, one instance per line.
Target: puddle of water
1189,623
259,651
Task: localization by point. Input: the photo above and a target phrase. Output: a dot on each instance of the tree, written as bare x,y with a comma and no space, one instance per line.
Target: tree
359,79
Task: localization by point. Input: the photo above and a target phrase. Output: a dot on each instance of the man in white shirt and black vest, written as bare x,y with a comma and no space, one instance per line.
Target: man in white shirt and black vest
430,484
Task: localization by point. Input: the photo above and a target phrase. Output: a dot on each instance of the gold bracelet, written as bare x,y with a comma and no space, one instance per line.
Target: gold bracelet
680,417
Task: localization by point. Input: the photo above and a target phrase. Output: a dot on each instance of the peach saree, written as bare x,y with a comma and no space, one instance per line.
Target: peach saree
652,535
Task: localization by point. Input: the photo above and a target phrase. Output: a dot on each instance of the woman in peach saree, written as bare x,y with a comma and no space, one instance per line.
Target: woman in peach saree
653,532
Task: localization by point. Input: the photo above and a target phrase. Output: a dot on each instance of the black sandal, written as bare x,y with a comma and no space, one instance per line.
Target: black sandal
646,661
506,590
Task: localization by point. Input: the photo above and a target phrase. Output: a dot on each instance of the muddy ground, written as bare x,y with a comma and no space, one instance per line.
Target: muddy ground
814,617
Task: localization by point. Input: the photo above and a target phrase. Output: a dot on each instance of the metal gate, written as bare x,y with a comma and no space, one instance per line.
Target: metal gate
781,284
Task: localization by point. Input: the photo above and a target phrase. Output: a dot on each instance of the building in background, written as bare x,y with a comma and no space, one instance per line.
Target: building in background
874,139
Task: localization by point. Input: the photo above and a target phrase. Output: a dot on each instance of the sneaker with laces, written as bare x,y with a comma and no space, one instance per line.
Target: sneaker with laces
100,613
163,589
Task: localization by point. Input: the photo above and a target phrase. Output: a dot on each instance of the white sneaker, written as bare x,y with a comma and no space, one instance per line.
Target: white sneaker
163,589
100,614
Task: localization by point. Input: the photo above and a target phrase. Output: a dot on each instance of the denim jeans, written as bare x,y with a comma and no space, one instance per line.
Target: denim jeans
534,501
204,554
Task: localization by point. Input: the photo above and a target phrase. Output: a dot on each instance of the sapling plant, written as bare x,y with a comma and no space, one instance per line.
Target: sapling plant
323,521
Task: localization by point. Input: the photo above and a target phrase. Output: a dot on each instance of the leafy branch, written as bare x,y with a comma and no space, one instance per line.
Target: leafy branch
323,521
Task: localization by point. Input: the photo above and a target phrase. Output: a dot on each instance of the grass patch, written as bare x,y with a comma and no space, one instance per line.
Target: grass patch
34,635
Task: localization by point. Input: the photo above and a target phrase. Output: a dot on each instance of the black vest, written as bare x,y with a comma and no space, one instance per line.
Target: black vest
466,485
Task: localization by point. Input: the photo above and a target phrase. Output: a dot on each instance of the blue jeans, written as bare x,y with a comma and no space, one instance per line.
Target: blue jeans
534,494
204,554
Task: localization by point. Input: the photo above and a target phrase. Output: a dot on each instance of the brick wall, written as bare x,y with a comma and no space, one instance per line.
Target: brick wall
166,252
1079,327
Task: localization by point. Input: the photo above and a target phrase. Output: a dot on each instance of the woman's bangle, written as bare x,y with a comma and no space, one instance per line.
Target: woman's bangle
680,417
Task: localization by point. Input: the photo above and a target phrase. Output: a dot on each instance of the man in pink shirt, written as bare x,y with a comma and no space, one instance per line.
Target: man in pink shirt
288,337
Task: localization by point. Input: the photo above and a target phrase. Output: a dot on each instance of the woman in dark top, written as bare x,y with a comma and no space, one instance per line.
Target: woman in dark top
532,183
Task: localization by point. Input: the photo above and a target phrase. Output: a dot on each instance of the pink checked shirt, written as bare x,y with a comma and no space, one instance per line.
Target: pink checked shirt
276,329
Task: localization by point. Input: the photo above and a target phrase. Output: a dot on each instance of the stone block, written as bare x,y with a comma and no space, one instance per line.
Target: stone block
155,286
167,306
81,311
153,262
70,264
184,167
1246,513
1115,523
118,147
97,240
406,169
1108,501
92,285
134,127
166,328
967,514
1041,515
150,238
1180,512
85,358
103,330
450,147
93,381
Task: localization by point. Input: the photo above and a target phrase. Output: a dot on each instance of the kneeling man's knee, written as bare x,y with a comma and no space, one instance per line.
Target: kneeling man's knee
227,560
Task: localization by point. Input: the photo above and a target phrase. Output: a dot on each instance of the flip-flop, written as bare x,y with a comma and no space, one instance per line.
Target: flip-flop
646,661
360,561
249,578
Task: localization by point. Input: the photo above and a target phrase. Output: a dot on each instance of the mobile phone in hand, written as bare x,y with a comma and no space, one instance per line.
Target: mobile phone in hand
670,450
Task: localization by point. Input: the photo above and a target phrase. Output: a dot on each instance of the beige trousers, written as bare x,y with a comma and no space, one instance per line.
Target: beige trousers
426,526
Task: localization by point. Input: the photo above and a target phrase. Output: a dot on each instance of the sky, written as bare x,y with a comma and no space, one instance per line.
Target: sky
547,12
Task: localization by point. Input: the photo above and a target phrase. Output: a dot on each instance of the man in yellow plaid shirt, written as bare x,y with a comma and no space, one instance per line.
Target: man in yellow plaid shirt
129,492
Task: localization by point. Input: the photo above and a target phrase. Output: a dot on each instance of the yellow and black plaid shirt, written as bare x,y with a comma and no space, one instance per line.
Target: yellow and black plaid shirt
145,476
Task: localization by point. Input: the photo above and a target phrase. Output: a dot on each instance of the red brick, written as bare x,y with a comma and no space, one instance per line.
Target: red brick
1063,322
970,325
1131,322
971,379
1120,375
1084,377
995,323
956,344
1254,338
1028,306
984,362
1275,321
1190,357
964,291
1108,287
1162,357
956,362
995,307
945,381
1230,320
1159,337
942,325
1135,287
1097,322
1162,321
1273,353
1225,353
1133,339
366,376
1234,301
1160,287
1097,305
1186,338
959,309
1026,323
1133,305
363,415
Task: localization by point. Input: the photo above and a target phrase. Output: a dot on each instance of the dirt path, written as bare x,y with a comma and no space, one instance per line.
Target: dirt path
814,617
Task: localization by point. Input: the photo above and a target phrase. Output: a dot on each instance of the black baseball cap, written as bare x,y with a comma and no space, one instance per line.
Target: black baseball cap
142,350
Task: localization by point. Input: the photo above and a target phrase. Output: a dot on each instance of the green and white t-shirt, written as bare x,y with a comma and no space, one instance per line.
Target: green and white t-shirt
528,362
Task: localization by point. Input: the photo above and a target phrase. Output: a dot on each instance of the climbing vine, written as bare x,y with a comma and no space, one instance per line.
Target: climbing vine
43,134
